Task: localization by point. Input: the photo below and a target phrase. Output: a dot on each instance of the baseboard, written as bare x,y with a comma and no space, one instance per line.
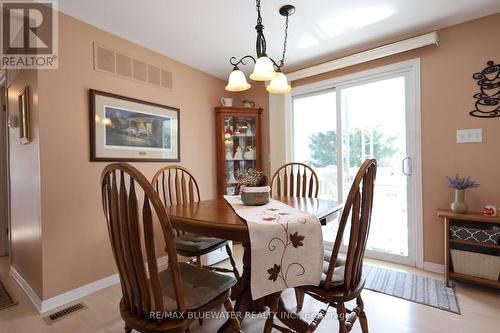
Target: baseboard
72,295
32,296
432,267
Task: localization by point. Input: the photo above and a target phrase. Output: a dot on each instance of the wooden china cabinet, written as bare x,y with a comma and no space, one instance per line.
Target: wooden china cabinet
238,137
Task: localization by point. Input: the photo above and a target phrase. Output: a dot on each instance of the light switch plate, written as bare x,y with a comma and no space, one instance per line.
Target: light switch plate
471,135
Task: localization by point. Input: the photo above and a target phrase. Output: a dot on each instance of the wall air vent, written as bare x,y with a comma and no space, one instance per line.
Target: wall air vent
166,79
154,75
139,70
104,59
123,65
118,63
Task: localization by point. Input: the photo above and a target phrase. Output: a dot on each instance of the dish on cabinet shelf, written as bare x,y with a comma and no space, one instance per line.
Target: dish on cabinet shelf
229,154
232,179
250,153
238,155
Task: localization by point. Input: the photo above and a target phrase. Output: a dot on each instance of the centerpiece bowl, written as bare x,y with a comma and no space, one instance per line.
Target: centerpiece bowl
255,196
253,188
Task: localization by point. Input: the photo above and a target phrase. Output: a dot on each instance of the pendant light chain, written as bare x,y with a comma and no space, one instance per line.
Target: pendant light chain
282,61
260,45
259,17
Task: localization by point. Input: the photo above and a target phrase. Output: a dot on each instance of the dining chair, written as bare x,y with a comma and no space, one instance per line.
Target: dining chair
152,300
342,278
176,185
295,180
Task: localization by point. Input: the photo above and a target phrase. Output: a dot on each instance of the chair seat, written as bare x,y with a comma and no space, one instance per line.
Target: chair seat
195,243
338,272
200,286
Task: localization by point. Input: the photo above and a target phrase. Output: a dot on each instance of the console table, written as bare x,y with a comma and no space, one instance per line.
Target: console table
471,218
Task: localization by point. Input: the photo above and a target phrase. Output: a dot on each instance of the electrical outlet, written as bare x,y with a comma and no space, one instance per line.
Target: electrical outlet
471,135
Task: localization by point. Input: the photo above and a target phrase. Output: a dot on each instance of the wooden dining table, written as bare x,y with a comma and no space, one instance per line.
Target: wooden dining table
216,218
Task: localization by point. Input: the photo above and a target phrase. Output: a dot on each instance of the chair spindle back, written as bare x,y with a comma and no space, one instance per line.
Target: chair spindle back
131,232
176,185
295,180
358,207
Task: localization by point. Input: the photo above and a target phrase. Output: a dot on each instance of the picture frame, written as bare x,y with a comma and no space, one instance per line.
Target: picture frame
124,129
24,116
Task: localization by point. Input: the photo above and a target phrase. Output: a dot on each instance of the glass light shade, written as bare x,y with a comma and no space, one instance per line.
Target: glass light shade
279,85
237,81
263,70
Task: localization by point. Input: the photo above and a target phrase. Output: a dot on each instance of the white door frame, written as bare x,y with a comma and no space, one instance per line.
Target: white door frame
5,204
281,128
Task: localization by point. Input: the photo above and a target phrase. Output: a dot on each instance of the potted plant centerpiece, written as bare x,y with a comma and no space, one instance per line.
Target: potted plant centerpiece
253,188
459,206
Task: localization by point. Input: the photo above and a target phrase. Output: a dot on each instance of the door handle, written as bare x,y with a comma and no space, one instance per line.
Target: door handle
406,168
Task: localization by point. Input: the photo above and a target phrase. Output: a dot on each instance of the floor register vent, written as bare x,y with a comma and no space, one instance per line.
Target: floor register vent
59,315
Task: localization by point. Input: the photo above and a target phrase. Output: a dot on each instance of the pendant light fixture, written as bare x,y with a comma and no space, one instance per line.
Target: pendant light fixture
265,68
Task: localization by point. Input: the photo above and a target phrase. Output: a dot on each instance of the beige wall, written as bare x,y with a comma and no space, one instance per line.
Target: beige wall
26,232
76,248
447,88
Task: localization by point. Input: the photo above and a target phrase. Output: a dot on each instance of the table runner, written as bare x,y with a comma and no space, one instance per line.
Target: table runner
286,246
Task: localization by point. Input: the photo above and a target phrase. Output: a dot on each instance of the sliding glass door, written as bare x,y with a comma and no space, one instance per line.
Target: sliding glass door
314,138
372,116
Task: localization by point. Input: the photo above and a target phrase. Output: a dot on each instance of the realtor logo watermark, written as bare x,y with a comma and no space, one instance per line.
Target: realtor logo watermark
29,34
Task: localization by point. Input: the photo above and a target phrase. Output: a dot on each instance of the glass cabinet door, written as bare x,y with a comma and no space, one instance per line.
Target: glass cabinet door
240,146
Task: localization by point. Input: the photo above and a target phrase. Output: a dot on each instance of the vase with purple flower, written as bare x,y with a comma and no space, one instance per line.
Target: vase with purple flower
460,184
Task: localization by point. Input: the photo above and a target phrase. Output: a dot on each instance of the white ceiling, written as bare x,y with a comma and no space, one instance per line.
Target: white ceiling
205,34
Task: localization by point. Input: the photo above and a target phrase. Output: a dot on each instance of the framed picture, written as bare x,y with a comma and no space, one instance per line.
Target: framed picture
24,116
127,129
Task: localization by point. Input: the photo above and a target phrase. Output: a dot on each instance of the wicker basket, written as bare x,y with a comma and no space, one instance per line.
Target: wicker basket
476,264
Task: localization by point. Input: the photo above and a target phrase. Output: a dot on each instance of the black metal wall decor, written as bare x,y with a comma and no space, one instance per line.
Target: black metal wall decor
488,99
